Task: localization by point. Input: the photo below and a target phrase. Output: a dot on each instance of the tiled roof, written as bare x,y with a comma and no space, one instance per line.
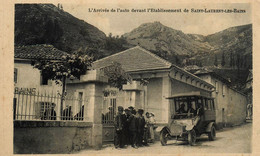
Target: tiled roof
134,59
39,51
212,73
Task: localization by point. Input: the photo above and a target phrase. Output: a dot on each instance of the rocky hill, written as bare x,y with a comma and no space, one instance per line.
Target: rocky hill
230,49
48,24
232,44
155,36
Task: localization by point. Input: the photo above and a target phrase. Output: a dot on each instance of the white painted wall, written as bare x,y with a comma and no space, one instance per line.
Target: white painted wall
29,77
230,105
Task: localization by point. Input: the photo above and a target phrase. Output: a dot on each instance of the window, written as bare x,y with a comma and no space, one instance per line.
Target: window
223,90
15,75
44,79
210,106
213,105
216,85
80,101
206,107
47,111
80,107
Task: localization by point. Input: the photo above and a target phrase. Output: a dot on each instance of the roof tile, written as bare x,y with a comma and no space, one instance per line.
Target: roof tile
39,51
134,59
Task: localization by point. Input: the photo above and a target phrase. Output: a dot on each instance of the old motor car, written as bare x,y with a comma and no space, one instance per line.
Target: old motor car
193,115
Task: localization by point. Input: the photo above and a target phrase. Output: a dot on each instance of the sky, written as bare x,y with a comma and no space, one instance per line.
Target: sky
119,23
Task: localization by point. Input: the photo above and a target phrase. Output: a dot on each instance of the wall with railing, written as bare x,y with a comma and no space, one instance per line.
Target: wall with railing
46,122
48,106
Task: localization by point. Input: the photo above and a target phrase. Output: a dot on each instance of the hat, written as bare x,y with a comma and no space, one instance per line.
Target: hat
151,114
131,107
141,111
134,111
126,110
147,113
110,107
120,108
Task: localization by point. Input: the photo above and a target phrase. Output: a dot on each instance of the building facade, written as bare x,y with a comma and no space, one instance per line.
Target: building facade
163,80
231,105
29,79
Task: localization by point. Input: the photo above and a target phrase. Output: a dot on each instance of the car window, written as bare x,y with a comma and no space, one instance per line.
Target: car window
205,104
193,105
213,105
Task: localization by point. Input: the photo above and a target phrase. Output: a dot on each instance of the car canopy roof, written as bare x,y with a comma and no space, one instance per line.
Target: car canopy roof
189,94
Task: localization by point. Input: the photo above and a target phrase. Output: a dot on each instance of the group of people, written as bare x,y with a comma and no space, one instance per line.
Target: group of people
132,128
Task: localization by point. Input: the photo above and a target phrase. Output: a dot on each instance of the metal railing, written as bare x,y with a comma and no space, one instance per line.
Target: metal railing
109,110
45,106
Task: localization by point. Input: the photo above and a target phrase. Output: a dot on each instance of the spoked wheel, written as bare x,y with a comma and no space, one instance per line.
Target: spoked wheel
163,137
212,133
192,137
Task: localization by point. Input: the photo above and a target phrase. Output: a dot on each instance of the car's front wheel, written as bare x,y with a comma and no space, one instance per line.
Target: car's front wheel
192,137
163,137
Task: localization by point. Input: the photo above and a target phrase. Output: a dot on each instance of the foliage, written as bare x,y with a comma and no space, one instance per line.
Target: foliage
231,62
144,81
116,75
216,60
71,66
115,44
223,62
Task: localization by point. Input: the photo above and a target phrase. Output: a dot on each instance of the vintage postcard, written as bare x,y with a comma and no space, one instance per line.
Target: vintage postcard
130,77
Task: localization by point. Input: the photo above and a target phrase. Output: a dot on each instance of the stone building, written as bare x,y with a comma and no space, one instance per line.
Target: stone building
231,105
164,79
29,79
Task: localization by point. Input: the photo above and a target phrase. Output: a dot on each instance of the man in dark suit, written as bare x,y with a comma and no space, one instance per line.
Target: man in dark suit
132,122
140,127
50,114
126,127
120,120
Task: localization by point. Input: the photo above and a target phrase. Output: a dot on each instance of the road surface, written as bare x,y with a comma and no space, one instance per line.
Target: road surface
229,140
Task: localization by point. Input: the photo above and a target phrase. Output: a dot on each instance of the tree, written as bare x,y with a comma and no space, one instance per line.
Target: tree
223,62
70,66
216,60
231,60
116,75
238,61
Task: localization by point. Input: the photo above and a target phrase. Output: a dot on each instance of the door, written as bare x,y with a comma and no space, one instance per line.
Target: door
108,114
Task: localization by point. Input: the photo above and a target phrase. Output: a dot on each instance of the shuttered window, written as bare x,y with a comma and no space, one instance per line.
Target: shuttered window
15,75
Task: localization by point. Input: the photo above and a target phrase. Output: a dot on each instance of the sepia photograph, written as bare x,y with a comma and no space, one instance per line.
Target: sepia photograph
139,78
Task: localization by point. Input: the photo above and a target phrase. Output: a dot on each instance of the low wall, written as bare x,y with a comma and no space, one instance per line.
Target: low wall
46,137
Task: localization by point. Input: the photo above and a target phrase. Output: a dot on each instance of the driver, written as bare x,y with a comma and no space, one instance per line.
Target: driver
200,110
191,111
181,110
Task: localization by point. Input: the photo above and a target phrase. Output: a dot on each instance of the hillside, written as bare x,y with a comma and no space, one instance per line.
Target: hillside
47,24
234,43
157,37
194,49
226,51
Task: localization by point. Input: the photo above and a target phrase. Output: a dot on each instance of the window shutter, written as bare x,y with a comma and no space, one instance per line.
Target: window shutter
15,75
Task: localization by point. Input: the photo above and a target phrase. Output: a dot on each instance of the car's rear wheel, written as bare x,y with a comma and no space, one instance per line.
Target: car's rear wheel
212,133
163,137
192,137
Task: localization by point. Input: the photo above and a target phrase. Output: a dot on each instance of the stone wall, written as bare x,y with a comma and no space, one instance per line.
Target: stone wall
45,137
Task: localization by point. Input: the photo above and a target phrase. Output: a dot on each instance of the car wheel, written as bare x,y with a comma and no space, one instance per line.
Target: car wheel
212,133
192,137
163,137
